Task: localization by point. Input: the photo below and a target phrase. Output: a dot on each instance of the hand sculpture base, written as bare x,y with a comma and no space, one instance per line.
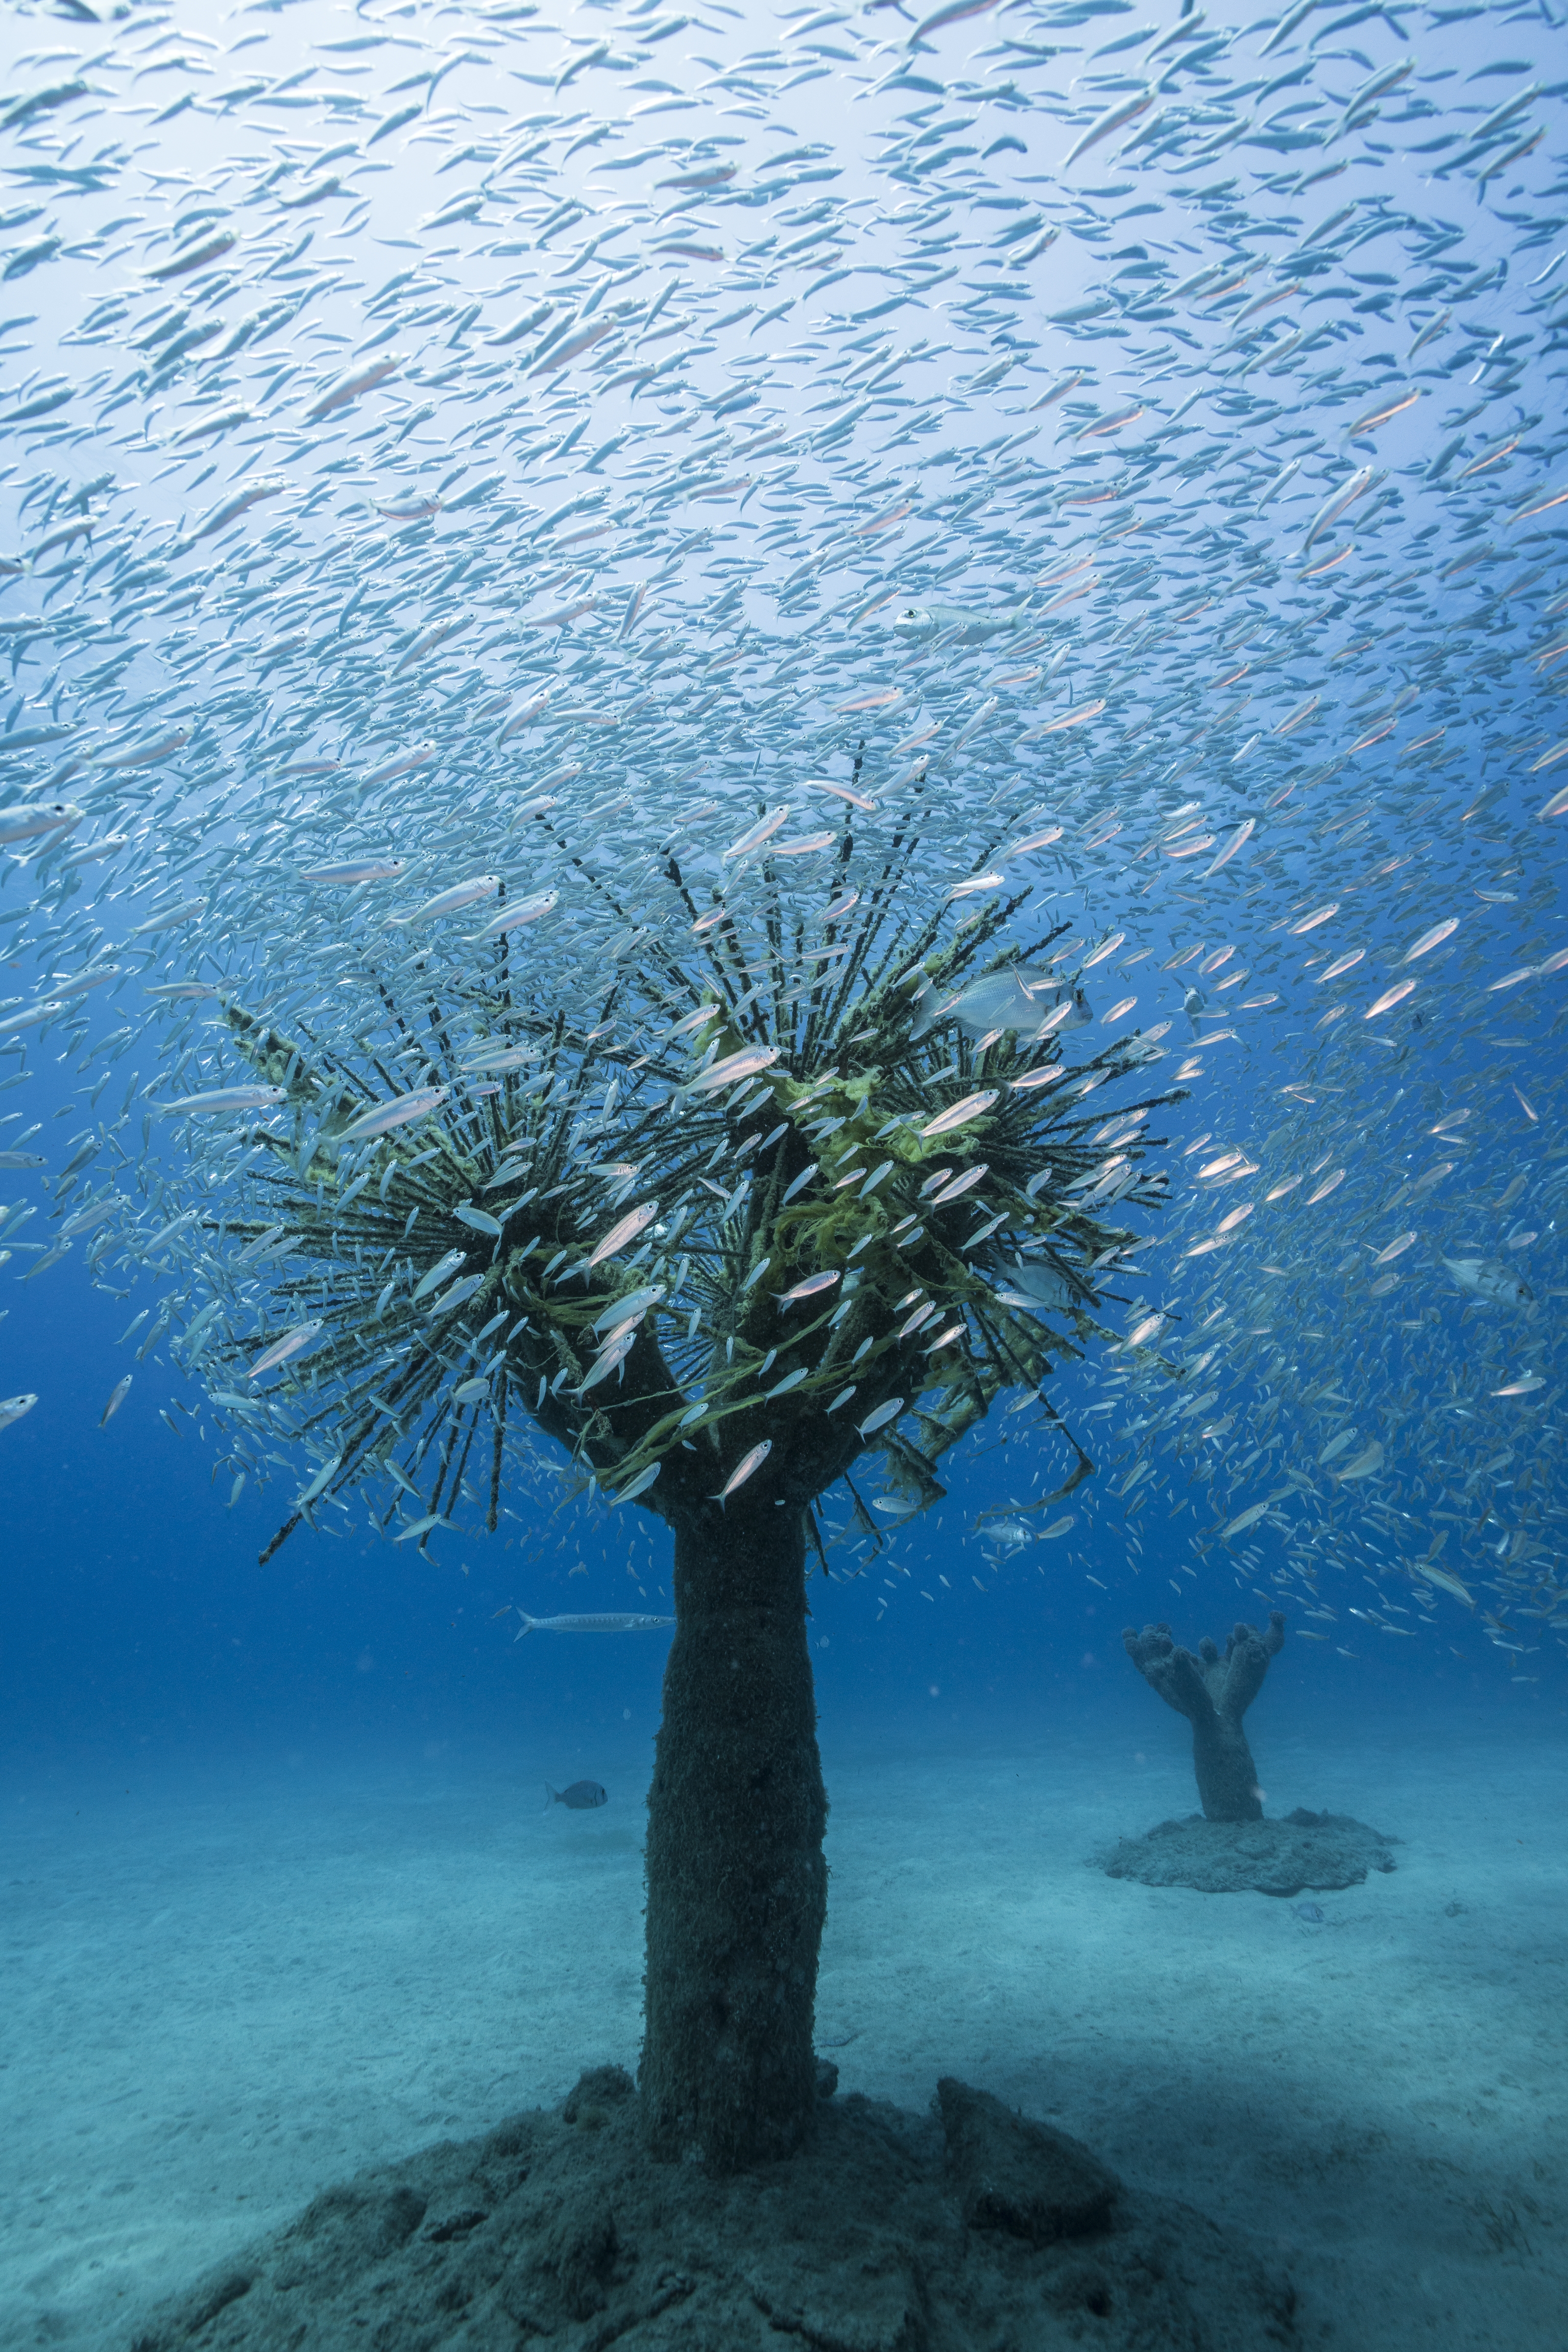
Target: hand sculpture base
1319,1851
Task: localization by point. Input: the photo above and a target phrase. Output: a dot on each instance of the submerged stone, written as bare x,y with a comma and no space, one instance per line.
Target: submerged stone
1022,2176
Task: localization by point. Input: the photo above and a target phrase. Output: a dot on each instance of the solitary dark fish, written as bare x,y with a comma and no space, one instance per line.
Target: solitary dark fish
582,1796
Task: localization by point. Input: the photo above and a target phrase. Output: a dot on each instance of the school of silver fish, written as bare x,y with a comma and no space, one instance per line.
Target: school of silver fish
454,457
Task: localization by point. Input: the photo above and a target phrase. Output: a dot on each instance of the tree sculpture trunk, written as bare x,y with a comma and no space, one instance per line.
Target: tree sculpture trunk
1213,1692
736,1877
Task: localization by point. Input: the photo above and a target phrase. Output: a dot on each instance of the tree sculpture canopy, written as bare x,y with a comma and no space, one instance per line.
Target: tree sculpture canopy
766,1202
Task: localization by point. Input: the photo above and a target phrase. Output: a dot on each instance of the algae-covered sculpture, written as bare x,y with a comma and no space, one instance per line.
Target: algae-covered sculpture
703,1211
1214,1692
1230,1848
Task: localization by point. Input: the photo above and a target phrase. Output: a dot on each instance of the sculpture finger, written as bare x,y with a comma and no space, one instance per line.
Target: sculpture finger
1154,1642
1246,1661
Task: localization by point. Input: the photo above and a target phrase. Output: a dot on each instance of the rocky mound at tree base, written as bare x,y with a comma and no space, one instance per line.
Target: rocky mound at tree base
1285,1857
971,2230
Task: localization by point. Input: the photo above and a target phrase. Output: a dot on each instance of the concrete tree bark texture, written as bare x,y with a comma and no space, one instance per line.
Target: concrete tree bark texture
737,1882
1214,1692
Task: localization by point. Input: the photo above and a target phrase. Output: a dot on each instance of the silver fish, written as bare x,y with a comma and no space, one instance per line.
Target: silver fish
968,628
1040,1289
1028,1002
1489,1279
448,902
612,1622
25,824
357,869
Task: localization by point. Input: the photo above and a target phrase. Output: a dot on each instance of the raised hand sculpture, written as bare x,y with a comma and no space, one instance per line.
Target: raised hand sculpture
1213,1692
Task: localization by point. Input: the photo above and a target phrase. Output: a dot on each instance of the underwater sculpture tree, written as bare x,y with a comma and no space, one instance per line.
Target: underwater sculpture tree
746,1218
1214,1692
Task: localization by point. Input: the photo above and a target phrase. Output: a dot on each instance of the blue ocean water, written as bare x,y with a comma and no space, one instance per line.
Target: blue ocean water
140,1625
1129,457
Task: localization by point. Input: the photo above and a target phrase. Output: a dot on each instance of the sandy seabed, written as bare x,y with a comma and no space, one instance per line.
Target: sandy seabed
219,2000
